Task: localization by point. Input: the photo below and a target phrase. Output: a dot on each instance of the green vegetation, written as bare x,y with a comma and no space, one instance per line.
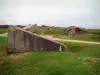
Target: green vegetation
94,31
91,35
86,37
77,61
3,52
81,59
56,31
3,30
3,45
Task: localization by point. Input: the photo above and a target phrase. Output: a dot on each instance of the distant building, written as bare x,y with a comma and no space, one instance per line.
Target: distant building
51,28
73,30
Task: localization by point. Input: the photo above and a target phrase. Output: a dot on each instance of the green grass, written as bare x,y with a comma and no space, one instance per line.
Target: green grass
56,31
91,35
83,37
86,37
3,45
94,31
3,30
73,62
3,52
55,63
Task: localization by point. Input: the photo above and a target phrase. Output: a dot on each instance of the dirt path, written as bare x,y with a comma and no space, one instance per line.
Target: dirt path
5,34
79,41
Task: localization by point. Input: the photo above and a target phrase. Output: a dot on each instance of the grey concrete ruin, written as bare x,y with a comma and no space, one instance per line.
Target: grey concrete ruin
20,40
73,30
31,28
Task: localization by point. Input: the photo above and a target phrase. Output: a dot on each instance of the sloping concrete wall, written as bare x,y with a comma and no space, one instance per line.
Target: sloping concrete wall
20,40
32,28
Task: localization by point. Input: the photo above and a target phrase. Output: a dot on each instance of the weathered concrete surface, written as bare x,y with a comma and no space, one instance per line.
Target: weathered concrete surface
20,40
73,30
32,28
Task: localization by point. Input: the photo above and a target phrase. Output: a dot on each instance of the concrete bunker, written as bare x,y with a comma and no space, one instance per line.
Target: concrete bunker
21,40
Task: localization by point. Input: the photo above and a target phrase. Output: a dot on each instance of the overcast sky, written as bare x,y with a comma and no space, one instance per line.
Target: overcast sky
83,13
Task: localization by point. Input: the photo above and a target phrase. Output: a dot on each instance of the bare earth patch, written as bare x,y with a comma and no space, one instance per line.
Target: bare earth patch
5,34
17,56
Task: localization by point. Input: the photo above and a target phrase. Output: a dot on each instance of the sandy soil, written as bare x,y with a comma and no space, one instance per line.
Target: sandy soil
5,34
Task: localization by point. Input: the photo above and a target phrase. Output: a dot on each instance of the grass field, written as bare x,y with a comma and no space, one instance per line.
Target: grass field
91,35
3,52
85,37
45,31
81,59
3,45
3,30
